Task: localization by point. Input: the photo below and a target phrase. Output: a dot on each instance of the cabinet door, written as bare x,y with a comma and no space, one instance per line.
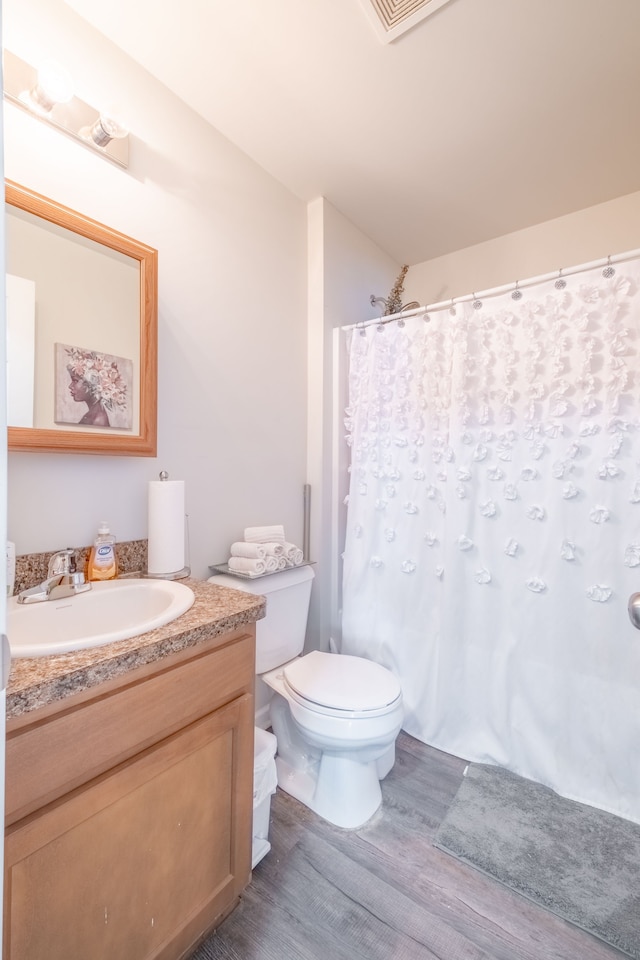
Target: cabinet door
140,862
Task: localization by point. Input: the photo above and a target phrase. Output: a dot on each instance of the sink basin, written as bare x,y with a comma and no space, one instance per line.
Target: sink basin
111,610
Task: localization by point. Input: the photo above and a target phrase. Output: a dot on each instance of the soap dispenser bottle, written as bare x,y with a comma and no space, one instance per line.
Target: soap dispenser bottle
102,563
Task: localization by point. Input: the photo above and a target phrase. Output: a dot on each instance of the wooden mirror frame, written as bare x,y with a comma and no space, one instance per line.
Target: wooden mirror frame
144,443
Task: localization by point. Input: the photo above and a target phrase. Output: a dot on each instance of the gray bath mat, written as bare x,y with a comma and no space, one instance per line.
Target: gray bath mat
579,862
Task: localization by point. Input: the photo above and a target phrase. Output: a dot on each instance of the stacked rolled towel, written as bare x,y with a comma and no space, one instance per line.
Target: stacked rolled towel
252,551
263,550
247,566
273,549
293,555
256,559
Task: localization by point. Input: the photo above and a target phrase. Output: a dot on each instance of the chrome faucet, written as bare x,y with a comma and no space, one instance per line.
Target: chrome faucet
63,580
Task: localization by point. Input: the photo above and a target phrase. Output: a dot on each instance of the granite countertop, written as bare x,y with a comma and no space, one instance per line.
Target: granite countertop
38,681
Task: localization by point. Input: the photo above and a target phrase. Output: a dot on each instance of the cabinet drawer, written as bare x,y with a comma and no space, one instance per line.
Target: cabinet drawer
50,758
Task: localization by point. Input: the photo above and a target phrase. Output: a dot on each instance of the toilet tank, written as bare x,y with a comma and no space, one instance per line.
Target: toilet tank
280,634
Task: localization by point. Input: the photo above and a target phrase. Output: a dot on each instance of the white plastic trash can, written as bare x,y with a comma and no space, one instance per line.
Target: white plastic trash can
265,781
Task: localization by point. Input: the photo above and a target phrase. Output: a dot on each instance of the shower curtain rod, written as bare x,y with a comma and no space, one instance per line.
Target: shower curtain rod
494,291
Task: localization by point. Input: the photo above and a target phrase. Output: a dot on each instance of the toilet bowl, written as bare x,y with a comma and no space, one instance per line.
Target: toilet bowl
335,717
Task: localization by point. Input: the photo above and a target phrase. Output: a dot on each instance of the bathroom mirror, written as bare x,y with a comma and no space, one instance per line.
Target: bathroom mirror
81,332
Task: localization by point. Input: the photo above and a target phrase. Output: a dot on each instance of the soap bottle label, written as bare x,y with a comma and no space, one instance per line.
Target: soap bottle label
102,563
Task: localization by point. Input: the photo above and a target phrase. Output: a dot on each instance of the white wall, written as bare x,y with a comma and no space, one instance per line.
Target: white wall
600,231
232,307
344,269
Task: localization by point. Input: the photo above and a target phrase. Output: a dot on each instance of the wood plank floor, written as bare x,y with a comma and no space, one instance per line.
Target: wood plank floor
384,892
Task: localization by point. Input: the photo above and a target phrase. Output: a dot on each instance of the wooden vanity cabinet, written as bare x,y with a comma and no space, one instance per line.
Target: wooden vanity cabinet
129,808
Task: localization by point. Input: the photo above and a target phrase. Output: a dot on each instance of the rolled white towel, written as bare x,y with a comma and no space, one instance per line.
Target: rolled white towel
251,568
253,551
292,554
271,564
272,549
273,534
282,563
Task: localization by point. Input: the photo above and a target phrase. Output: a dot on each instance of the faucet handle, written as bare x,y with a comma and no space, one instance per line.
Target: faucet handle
62,562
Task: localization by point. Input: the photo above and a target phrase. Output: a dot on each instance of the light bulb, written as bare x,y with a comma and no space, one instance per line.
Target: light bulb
54,85
105,129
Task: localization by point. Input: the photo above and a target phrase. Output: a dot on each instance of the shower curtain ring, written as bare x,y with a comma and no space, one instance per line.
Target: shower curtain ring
608,271
517,294
560,283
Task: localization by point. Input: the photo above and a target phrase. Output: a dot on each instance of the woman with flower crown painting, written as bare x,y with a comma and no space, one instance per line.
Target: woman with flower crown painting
96,381
82,392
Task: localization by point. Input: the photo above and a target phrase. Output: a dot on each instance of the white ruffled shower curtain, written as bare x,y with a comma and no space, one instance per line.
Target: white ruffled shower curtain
493,531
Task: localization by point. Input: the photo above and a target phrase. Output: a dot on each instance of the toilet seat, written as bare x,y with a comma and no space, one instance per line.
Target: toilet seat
340,685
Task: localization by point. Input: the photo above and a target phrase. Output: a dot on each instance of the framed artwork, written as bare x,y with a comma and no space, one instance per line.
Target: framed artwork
92,389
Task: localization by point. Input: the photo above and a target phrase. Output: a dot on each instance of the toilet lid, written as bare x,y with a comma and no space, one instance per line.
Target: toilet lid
342,682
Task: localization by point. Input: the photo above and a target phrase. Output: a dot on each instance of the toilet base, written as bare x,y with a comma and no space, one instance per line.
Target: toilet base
333,762
343,792
385,763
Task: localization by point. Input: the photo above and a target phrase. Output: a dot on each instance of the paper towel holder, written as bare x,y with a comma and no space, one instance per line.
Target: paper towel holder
178,575
186,570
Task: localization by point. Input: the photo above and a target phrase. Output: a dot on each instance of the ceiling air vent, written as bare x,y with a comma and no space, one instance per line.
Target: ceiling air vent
391,18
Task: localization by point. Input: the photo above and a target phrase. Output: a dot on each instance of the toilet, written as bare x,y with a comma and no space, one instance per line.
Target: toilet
335,717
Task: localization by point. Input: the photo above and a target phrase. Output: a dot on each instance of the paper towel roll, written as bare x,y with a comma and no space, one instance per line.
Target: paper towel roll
166,527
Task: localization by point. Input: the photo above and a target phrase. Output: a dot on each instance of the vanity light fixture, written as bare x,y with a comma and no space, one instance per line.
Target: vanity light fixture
47,93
